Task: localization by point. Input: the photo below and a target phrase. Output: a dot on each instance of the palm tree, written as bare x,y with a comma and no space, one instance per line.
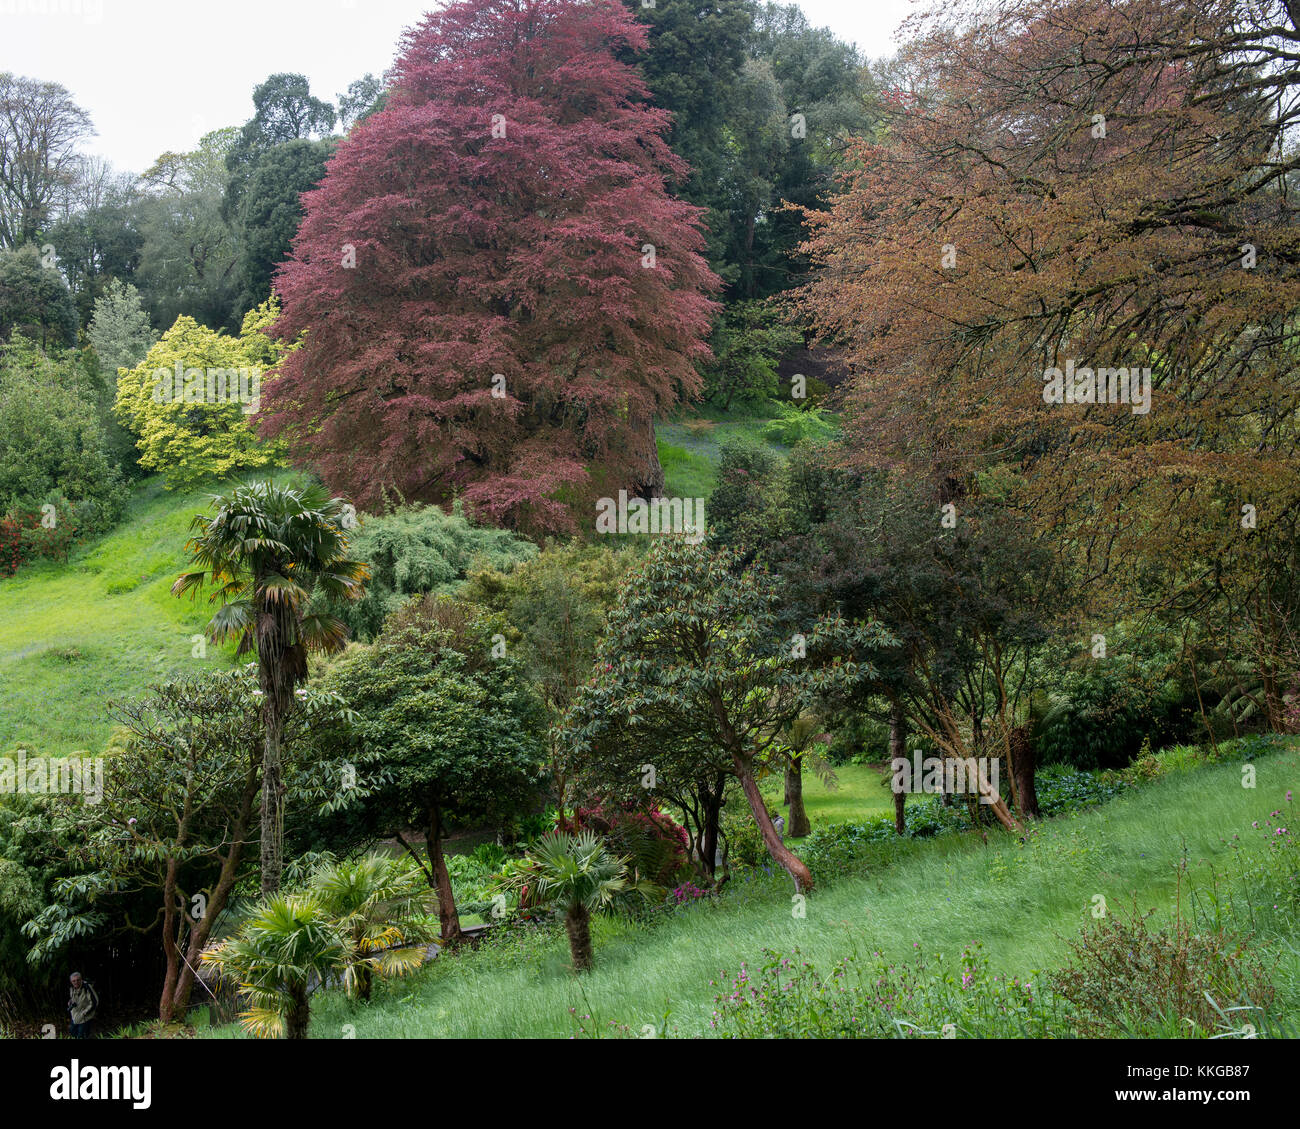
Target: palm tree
377,903
798,740
576,874
269,550
288,943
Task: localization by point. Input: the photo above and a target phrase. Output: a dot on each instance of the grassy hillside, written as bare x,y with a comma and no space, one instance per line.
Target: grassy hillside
1022,900
104,625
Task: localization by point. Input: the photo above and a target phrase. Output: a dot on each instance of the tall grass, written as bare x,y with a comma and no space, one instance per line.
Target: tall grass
1022,899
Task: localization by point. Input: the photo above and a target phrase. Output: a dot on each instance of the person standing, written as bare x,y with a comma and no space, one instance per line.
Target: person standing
83,1003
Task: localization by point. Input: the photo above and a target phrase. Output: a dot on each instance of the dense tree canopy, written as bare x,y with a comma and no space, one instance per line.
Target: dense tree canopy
456,725
271,212
190,400
34,299
52,442
189,255
516,349
698,676
1133,234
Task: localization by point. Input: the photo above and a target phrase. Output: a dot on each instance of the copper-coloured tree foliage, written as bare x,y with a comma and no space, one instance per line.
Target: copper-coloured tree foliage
1105,183
498,292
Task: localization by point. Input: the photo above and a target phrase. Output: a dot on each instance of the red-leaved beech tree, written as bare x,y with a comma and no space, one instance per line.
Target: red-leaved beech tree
497,292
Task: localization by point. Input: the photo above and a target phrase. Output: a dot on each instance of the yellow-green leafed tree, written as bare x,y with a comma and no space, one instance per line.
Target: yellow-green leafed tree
190,401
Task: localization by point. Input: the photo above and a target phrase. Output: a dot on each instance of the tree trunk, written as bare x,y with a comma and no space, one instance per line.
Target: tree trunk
280,666
171,950
709,837
298,1017
448,918
781,854
230,865
898,751
998,806
365,981
272,859
647,470
578,922
797,825
1021,750
710,801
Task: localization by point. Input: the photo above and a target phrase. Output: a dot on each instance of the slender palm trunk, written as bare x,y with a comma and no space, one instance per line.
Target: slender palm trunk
280,665
798,823
272,846
577,920
298,1018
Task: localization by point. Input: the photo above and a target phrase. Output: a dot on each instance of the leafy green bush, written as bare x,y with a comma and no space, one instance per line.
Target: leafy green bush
1099,716
491,855
422,549
795,425
53,450
1061,789
738,507
747,347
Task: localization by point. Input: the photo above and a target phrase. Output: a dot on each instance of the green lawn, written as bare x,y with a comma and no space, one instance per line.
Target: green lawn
689,448
1021,899
860,793
104,625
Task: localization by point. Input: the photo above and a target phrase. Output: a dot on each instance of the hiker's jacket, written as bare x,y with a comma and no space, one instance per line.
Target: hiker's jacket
82,1003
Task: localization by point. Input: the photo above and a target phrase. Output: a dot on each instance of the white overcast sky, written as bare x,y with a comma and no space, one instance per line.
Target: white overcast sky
158,74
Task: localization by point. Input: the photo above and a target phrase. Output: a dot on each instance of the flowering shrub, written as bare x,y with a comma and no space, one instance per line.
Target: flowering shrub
655,842
26,534
686,894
